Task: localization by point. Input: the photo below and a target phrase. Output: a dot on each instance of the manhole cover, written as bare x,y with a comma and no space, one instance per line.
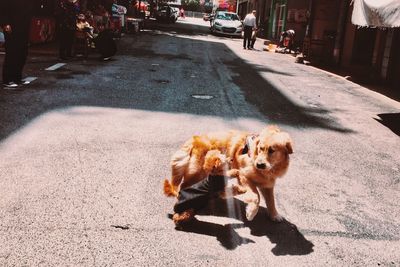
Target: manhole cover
200,96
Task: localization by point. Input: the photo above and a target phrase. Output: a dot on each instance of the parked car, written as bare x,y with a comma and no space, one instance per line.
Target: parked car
227,23
167,14
2,40
176,12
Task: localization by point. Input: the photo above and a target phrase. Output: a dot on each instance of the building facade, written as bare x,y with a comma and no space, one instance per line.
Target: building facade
326,35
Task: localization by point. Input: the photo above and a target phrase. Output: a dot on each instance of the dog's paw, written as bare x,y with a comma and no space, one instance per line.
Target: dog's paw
184,217
233,173
277,218
251,211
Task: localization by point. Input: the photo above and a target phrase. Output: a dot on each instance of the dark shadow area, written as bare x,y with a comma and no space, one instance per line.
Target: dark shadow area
225,234
266,69
365,79
273,104
390,120
59,89
288,239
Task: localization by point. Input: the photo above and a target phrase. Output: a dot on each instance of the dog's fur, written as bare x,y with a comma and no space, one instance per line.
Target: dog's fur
195,161
260,162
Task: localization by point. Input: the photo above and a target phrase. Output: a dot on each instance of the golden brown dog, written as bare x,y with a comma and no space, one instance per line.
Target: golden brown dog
195,161
261,159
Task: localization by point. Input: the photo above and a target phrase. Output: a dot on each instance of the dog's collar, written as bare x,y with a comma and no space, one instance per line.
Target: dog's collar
249,139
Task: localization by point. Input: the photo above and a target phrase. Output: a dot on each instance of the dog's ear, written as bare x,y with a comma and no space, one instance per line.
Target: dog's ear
289,147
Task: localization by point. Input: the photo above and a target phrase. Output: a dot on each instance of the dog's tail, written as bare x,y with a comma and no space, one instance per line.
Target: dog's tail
179,163
169,189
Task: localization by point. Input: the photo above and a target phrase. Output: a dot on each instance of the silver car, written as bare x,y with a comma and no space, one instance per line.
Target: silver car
227,23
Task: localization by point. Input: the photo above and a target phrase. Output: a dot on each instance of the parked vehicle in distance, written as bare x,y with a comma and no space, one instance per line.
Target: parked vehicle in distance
227,23
167,14
176,12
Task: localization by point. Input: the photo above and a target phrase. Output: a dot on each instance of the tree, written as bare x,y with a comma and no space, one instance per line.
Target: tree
191,5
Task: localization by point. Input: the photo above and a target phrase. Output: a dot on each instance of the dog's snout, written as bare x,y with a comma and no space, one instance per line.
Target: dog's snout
261,166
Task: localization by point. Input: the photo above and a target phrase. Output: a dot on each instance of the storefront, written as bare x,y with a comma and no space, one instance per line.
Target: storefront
378,39
43,25
277,18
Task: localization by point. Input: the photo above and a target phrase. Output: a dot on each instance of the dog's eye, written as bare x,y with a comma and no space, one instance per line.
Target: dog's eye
271,150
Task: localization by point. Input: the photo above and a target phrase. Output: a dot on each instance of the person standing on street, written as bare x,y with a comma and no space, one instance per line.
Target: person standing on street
182,13
15,20
66,17
249,23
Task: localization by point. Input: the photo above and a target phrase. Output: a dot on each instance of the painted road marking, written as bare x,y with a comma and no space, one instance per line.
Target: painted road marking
56,66
201,96
29,79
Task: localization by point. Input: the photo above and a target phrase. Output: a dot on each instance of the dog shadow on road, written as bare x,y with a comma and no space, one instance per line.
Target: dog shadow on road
288,239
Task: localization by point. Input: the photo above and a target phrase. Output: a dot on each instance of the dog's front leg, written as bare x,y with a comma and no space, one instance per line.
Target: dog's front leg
252,198
268,194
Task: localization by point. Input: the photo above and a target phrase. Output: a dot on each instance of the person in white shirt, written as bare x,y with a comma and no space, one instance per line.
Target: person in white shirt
249,24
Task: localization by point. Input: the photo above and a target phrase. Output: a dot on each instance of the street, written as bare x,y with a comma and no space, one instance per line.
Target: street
85,149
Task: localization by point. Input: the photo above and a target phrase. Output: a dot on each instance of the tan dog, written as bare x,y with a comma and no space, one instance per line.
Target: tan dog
195,161
261,159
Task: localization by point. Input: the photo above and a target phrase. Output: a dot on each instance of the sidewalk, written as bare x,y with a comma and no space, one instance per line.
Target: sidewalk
349,75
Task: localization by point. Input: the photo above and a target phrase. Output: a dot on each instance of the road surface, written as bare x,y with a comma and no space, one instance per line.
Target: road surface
85,148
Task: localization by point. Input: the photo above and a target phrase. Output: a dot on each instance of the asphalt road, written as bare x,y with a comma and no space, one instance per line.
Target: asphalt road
85,148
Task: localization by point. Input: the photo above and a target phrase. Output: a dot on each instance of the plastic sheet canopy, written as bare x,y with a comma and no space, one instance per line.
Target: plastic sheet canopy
376,13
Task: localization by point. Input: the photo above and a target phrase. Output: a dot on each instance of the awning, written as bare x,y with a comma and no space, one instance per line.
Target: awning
376,13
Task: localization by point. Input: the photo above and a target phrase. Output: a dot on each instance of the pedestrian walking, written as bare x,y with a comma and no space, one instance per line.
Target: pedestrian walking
250,24
15,20
66,17
182,13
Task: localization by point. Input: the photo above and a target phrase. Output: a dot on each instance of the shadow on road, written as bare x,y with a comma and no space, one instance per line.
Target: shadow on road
390,120
115,84
288,239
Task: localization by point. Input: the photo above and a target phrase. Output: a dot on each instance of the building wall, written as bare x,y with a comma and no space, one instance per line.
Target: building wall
296,19
371,54
277,19
263,13
324,28
349,35
392,77
325,17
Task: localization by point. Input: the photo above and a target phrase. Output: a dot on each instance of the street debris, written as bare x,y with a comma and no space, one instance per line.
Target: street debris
123,227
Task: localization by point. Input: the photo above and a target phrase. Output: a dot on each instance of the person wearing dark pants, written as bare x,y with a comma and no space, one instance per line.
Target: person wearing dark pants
247,37
249,24
194,198
66,39
105,43
15,20
66,17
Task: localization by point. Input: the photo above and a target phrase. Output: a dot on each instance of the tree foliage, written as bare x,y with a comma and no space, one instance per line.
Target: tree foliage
191,5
